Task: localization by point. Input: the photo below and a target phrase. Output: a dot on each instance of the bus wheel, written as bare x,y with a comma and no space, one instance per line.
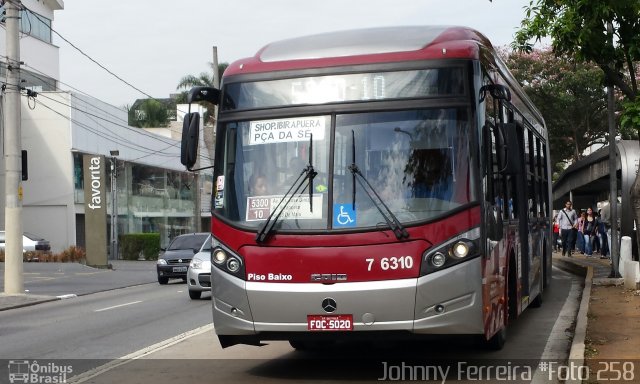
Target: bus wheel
537,302
300,345
497,341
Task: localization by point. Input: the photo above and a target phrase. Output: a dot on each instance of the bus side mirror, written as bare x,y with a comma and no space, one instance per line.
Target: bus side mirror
497,91
512,161
209,94
190,136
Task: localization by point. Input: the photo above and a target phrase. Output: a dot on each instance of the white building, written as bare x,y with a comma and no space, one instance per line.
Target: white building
154,194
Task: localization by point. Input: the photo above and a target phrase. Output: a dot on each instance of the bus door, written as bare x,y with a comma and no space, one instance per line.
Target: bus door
520,204
523,214
517,204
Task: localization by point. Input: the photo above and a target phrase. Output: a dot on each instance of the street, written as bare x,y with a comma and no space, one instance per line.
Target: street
92,330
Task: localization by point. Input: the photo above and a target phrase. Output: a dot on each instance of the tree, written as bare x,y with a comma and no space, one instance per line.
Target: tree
204,79
150,113
605,32
570,96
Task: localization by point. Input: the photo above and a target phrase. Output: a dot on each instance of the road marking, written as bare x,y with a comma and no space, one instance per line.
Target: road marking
67,296
555,348
90,374
118,306
39,279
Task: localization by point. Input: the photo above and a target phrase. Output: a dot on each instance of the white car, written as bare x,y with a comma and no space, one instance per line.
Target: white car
199,274
30,243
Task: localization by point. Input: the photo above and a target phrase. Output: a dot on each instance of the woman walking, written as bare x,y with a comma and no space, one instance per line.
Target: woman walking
588,230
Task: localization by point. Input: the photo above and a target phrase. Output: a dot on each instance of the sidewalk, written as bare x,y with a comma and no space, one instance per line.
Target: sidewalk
578,264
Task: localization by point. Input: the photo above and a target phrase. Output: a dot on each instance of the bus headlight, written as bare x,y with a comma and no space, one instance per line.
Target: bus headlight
438,259
460,250
219,256
226,260
233,265
454,251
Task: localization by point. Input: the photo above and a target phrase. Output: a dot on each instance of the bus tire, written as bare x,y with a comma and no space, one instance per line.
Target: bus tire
537,302
300,345
497,341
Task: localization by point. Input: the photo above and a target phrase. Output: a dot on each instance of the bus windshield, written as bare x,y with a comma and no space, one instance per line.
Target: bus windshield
416,160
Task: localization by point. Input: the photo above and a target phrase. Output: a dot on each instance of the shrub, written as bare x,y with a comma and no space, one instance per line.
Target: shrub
72,254
133,243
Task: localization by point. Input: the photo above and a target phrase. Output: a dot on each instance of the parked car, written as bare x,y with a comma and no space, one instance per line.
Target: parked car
30,243
173,261
199,274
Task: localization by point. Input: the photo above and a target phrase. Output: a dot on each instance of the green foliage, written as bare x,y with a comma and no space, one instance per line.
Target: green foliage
569,94
150,114
603,32
203,80
579,29
630,120
133,243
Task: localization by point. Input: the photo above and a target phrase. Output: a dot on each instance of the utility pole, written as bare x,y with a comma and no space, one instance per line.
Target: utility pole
613,174
114,205
13,271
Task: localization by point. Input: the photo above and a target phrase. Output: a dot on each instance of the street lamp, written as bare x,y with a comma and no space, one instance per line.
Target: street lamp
114,204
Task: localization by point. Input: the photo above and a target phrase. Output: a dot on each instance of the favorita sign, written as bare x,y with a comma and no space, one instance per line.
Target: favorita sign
95,209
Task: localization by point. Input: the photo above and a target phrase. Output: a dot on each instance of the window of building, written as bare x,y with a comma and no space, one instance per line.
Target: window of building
32,24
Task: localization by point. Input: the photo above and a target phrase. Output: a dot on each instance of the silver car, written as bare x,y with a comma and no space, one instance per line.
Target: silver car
199,274
30,243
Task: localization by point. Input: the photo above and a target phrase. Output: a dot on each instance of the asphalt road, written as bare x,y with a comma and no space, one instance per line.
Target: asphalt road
90,331
60,279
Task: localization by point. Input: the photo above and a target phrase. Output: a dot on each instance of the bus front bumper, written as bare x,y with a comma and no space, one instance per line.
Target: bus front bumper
442,303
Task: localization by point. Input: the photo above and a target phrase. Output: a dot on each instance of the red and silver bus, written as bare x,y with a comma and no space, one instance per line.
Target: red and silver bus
378,183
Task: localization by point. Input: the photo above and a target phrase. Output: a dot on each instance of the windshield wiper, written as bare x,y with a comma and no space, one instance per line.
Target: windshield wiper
308,173
391,219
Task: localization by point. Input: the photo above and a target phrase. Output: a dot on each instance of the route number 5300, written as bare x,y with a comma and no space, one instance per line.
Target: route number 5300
392,263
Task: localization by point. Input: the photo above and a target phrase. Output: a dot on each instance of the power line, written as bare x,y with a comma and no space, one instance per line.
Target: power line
86,112
113,136
118,138
100,134
89,57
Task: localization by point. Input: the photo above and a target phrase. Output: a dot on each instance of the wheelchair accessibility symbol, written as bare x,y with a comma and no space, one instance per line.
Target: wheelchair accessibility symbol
343,216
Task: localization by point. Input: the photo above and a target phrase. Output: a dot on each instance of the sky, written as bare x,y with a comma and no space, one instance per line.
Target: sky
152,44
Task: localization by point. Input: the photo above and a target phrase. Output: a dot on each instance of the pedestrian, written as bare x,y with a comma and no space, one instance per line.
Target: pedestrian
568,221
588,231
605,216
596,238
579,239
556,235
604,239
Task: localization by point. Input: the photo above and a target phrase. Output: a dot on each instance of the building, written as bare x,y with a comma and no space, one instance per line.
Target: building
151,191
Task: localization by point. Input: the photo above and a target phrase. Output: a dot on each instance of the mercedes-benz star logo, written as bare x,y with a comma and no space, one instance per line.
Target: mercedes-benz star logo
329,305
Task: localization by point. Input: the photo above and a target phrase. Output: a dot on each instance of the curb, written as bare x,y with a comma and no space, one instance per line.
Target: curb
576,353
28,301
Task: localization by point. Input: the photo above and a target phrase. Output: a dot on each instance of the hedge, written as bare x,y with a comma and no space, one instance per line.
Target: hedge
131,244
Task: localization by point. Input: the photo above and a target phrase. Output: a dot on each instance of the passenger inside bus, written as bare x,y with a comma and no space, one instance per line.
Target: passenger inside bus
258,185
431,173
